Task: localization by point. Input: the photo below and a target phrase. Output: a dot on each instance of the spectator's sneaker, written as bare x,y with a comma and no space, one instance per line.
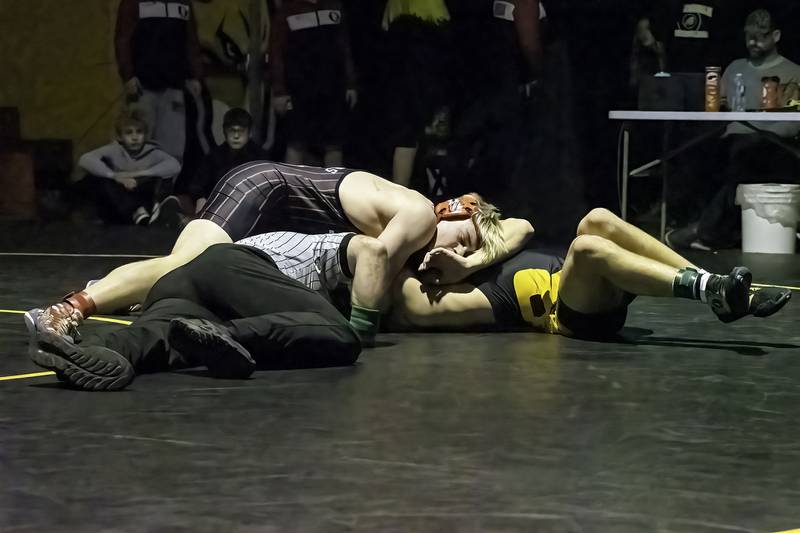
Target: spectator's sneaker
141,217
685,239
212,344
729,296
167,213
59,319
94,368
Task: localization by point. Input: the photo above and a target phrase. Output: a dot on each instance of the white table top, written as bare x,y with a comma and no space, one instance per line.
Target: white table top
702,116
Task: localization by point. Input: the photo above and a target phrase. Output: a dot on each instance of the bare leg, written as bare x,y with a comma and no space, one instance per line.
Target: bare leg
604,223
597,271
129,284
403,165
333,156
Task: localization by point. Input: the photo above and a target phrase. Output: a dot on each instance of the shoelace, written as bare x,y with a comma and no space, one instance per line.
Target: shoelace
61,318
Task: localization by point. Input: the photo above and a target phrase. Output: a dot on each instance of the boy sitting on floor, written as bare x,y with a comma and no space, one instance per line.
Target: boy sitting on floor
128,175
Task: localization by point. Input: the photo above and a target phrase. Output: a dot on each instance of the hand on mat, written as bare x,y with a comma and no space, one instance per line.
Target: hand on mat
351,96
450,267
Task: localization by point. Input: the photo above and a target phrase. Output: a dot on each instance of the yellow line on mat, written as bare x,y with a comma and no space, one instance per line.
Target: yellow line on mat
48,373
97,318
778,287
26,376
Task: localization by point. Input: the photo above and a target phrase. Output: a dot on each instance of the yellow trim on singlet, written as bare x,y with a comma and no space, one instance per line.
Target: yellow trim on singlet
540,286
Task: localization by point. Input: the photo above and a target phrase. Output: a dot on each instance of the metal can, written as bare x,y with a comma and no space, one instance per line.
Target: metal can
713,75
769,92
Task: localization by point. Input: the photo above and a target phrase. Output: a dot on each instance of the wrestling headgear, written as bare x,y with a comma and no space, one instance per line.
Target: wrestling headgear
459,208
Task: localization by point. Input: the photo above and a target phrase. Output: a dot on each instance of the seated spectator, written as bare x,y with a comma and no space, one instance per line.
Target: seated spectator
748,157
237,149
129,176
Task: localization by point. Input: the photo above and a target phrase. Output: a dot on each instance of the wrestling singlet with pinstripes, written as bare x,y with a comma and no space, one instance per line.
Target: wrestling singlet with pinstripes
264,196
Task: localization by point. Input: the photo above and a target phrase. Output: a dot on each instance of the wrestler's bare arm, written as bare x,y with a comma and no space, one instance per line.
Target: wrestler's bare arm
516,234
453,307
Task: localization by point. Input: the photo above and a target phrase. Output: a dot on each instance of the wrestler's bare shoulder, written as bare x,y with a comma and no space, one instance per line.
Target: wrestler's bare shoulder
371,201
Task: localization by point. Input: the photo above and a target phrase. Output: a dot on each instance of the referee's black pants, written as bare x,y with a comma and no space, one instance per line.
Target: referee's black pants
280,321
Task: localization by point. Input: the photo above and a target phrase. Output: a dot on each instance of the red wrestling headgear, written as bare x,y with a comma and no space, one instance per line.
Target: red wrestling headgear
459,208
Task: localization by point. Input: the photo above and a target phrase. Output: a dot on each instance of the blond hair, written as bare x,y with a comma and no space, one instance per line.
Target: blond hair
487,219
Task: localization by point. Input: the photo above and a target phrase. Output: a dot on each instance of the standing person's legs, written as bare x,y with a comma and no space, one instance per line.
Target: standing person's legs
170,127
147,104
751,159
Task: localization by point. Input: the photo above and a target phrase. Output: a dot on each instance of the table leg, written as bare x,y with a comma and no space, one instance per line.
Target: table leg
626,139
664,179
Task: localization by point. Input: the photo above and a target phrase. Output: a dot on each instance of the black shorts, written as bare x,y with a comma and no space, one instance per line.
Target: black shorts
318,116
594,326
263,196
511,308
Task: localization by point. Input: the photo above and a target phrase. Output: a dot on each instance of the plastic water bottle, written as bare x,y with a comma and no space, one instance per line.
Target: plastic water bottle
738,103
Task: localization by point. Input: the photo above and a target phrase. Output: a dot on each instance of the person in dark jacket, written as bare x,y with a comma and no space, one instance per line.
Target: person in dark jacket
237,149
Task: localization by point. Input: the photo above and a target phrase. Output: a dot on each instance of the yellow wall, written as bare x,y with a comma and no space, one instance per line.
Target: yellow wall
57,66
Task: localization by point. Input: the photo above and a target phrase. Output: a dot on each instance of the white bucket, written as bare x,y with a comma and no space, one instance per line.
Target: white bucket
770,213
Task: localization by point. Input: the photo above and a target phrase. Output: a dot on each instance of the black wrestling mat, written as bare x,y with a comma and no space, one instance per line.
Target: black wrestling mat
685,425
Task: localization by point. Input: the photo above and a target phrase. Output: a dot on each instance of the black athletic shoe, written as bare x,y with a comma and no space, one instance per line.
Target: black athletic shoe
211,343
729,296
167,213
768,301
94,368
685,239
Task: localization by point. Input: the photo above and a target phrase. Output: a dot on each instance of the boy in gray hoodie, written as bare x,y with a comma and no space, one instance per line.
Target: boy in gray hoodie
128,174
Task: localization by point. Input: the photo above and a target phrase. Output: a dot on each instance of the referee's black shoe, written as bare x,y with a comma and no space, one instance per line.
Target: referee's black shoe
94,368
213,345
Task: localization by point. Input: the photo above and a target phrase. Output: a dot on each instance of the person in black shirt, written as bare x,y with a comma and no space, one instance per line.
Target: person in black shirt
237,149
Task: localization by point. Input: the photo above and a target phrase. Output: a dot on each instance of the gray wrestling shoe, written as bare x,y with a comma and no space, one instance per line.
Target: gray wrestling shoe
59,319
93,368
212,344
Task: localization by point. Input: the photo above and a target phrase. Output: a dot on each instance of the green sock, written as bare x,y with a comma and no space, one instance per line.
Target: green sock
365,322
695,284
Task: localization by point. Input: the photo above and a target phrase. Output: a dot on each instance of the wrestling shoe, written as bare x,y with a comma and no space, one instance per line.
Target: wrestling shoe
64,317
768,301
729,296
58,319
213,345
94,368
